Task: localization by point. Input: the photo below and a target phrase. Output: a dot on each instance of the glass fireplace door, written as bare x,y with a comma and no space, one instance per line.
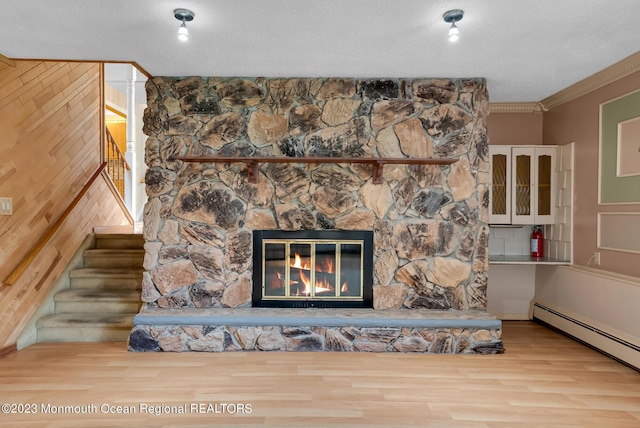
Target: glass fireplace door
318,269
299,270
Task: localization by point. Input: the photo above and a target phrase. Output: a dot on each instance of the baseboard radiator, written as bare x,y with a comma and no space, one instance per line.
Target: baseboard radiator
607,342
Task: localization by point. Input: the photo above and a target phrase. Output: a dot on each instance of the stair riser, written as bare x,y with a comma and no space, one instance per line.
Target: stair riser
106,283
119,244
115,262
90,334
97,307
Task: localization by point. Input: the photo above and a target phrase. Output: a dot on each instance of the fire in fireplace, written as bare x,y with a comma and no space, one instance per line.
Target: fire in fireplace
319,268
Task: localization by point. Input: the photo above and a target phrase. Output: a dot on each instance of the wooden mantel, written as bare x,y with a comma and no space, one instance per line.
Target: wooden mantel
253,161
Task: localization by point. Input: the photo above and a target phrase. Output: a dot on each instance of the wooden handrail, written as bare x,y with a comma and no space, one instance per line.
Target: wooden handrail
378,163
33,253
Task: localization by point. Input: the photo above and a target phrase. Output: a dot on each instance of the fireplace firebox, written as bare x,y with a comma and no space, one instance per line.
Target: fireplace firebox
312,268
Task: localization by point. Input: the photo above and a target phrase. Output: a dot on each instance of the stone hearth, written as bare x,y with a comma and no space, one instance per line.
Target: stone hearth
429,221
317,329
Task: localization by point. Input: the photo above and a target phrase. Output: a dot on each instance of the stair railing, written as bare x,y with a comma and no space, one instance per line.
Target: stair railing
44,239
116,163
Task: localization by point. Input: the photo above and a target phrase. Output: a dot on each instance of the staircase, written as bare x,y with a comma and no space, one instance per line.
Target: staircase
103,297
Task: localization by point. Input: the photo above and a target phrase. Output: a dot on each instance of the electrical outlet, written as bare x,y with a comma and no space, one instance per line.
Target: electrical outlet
596,258
6,206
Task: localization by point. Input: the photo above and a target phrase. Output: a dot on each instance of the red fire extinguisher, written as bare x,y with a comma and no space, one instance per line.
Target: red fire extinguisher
537,242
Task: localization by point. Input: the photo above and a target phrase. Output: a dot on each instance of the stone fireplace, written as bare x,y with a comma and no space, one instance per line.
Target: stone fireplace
428,222
307,269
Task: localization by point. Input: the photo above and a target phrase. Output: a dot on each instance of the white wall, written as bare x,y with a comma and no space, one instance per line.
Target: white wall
510,291
605,301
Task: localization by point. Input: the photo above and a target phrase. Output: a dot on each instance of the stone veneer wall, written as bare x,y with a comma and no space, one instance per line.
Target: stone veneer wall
429,222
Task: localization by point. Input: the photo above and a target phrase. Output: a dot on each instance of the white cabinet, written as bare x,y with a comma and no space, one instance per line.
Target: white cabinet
522,184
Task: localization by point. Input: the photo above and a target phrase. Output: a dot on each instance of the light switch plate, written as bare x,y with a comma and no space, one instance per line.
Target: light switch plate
6,206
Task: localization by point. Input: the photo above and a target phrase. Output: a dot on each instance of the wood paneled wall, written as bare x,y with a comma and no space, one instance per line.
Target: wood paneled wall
50,117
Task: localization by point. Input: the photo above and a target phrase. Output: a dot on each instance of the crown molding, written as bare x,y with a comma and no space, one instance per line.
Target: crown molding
7,61
617,71
533,107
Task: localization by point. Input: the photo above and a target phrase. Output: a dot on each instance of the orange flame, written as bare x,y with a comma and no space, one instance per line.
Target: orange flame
298,262
321,285
307,283
325,266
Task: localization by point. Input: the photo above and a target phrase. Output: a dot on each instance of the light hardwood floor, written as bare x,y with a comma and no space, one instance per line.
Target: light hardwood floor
543,379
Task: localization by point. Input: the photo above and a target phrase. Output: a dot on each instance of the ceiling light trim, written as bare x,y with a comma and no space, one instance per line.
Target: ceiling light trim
184,15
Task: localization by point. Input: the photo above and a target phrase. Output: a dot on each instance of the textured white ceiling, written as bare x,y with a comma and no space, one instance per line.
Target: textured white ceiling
527,50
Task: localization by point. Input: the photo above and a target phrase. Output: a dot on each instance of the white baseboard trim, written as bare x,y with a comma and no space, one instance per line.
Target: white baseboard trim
608,341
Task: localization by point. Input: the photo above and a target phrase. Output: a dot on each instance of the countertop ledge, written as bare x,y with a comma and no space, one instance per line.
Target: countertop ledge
524,260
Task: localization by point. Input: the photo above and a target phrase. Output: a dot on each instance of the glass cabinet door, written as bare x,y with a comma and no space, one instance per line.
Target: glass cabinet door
500,190
523,185
545,190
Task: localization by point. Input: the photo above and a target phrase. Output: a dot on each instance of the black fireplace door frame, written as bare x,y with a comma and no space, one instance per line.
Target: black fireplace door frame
366,236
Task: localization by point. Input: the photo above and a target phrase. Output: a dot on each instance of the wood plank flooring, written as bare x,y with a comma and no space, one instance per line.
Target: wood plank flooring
543,379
